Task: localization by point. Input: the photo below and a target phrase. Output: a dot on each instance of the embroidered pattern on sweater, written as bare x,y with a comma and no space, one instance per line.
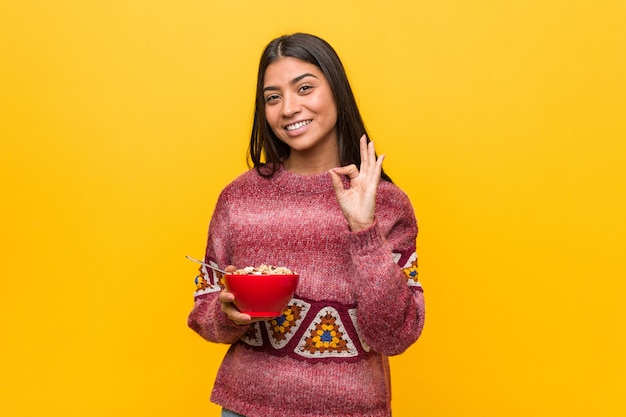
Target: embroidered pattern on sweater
208,280
310,330
253,335
409,266
201,283
326,337
282,328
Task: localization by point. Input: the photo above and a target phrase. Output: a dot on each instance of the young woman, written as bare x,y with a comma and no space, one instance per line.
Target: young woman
314,203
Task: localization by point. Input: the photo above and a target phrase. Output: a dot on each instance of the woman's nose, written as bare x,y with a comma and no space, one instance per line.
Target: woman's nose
291,105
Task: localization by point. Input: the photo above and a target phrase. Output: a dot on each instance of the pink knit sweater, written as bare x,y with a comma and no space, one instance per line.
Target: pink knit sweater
358,300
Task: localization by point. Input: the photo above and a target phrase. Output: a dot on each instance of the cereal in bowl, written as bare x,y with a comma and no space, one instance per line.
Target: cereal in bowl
264,270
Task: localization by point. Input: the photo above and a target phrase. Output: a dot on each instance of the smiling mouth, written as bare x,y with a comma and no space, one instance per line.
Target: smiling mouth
297,125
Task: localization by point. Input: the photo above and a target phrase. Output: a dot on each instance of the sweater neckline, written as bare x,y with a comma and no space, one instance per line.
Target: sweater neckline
292,182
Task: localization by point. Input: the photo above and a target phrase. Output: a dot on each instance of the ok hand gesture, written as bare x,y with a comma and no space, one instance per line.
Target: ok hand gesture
358,202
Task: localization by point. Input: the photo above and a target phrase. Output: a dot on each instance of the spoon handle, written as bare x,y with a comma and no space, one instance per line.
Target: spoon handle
205,264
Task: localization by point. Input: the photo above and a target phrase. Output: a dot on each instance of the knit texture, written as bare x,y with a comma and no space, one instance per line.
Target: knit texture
366,281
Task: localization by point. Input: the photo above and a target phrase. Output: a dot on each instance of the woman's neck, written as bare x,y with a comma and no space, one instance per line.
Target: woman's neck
311,163
308,167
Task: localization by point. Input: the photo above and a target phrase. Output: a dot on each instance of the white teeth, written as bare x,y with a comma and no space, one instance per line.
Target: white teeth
298,125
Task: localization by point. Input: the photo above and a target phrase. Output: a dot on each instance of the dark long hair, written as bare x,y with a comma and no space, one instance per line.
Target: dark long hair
266,151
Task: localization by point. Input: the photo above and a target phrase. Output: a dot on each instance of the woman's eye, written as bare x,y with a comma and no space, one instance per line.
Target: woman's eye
305,88
271,98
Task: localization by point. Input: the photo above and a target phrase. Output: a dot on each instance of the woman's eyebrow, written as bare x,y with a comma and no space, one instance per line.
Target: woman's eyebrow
295,80
300,77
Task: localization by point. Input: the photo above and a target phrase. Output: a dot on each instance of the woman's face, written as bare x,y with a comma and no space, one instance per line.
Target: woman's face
300,107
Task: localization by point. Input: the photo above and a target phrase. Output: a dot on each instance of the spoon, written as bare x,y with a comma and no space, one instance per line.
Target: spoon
205,264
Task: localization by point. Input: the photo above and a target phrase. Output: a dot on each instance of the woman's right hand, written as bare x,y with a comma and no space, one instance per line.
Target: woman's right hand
358,203
227,298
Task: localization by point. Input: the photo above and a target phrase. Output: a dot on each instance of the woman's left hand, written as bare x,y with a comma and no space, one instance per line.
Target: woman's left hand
359,201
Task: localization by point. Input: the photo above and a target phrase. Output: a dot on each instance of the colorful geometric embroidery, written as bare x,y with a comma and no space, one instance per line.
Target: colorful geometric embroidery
208,281
353,316
410,269
218,278
326,337
282,328
253,335
201,283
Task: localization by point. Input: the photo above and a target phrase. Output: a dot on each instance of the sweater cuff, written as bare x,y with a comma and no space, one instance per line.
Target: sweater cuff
368,239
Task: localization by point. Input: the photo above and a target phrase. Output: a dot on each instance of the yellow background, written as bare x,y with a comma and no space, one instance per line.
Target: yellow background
504,121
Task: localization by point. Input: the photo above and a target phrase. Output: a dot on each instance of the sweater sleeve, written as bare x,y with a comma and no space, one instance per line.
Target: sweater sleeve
206,317
390,300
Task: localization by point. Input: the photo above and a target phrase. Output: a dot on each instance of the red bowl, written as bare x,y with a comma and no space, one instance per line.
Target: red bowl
261,295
